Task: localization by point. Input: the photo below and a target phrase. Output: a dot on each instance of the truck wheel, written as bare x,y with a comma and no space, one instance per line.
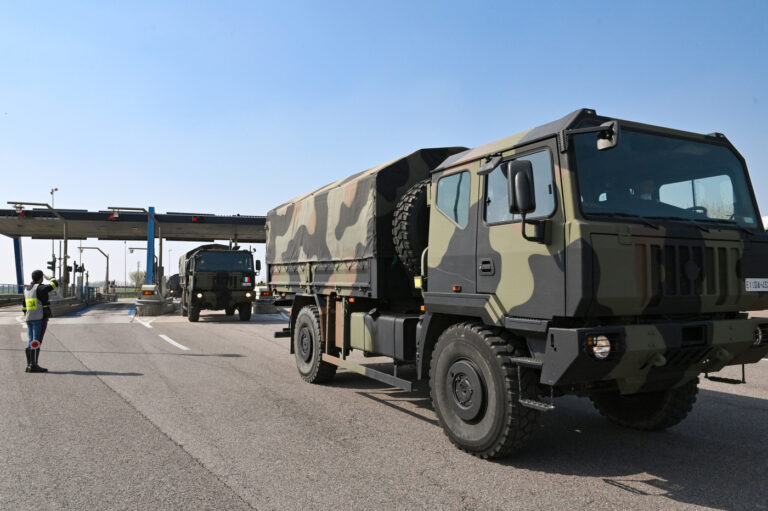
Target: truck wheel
194,313
308,347
648,411
410,227
475,390
245,311
229,311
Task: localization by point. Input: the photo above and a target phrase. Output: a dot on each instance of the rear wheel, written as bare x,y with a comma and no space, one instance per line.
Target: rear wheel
245,311
308,347
194,313
648,411
475,390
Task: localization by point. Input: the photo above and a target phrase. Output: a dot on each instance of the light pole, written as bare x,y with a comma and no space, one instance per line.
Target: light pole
53,247
106,278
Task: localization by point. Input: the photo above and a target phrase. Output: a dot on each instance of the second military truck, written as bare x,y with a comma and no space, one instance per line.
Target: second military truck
217,277
589,256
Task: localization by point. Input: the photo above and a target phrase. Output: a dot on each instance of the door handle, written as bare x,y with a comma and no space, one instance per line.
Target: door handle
486,267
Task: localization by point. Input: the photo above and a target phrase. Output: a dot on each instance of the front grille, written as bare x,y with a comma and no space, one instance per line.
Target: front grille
679,270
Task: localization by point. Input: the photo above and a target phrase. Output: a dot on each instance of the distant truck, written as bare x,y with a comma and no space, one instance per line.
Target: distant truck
217,277
590,256
174,286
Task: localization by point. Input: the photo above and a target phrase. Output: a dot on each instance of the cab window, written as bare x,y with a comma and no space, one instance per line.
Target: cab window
497,200
453,197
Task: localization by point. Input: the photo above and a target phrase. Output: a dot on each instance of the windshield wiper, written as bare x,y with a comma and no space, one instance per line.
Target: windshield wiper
683,219
728,222
639,218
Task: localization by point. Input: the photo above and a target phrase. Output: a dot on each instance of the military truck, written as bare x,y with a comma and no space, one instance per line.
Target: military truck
216,277
590,256
174,286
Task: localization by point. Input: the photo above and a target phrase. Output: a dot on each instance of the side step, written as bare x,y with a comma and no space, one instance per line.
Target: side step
536,405
286,332
532,403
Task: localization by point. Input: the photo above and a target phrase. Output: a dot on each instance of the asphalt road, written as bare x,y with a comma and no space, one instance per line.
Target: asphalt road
166,414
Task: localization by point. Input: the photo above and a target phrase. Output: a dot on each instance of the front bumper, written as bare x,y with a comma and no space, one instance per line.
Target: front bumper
650,356
222,299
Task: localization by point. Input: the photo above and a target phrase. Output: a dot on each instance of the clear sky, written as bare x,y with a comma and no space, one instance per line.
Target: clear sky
236,106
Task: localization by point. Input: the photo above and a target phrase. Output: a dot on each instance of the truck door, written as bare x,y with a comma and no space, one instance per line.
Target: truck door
524,278
452,234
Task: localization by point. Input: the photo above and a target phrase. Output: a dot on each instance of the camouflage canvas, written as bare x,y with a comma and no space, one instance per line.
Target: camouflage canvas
340,236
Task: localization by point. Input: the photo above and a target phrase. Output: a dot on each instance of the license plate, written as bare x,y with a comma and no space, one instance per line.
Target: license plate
756,284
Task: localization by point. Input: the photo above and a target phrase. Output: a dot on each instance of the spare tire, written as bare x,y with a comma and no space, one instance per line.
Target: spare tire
410,227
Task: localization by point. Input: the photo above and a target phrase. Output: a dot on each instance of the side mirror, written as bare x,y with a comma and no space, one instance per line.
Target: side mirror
258,264
609,137
520,190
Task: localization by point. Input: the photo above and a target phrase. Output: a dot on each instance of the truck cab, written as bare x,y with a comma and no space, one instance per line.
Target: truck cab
217,277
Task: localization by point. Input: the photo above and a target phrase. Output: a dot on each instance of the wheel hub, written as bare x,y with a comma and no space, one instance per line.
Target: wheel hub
305,344
465,390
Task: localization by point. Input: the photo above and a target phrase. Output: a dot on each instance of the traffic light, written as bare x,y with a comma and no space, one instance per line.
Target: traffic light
81,268
69,268
197,219
52,264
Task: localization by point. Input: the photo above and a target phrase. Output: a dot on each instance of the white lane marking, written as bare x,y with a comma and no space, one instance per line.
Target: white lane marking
169,340
145,323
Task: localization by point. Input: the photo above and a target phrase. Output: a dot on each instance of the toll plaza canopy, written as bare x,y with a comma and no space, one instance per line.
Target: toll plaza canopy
42,223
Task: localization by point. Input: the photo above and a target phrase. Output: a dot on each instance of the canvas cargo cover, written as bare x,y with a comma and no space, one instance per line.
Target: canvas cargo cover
350,219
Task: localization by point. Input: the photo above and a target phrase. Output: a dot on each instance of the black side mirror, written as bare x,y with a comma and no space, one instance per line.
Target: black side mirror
520,189
258,264
608,138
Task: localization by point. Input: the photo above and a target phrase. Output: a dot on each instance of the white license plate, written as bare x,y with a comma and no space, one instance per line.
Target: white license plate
756,284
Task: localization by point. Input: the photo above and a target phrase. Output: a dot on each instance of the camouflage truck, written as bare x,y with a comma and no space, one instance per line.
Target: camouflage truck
216,277
590,256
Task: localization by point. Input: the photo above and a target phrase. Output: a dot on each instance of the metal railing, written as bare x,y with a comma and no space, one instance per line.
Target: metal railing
10,289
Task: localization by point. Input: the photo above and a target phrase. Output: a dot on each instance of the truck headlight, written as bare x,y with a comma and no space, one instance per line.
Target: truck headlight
599,346
199,295
248,294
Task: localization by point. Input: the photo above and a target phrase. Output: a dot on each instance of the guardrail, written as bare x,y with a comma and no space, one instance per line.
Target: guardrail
9,289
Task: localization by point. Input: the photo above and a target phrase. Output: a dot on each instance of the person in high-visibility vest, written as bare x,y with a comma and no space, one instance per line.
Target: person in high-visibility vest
36,310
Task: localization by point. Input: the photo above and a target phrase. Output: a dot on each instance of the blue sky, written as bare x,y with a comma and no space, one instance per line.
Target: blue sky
234,107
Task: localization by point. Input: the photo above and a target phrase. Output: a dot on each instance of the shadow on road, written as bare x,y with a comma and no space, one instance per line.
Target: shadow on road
269,319
710,459
222,355
95,373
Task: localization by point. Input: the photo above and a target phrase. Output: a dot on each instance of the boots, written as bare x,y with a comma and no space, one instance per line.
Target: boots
28,353
36,368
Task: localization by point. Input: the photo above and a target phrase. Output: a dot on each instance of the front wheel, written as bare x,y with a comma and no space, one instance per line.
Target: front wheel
475,390
308,347
194,313
648,411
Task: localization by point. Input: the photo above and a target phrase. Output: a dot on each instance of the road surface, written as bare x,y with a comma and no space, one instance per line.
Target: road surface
160,413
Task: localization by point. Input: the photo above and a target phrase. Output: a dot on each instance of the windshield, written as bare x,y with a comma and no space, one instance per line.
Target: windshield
224,261
656,176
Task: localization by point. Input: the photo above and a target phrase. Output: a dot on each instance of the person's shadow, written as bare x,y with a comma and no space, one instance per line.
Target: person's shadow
95,373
